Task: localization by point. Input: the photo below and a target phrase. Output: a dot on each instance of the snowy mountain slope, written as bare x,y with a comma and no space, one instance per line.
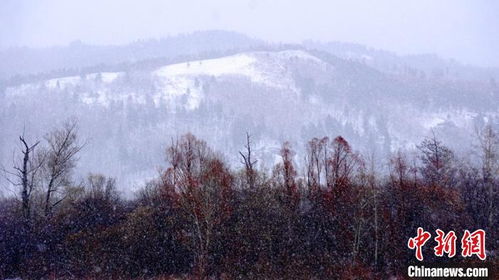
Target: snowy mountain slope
77,55
292,95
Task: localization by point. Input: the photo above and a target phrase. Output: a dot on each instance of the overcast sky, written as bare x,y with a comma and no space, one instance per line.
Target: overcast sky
465,30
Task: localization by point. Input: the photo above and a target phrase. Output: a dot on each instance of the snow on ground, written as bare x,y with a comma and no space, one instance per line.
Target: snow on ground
108,77
63,82
461,118
173,87
181,80
236,64
265,68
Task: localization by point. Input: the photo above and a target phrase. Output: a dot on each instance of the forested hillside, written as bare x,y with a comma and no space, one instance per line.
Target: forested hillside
336,218
279,94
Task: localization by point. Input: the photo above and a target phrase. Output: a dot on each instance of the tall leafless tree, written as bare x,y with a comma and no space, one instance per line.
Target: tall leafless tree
341,163
60,159
249,163
437,160
489,146
316,160
24,173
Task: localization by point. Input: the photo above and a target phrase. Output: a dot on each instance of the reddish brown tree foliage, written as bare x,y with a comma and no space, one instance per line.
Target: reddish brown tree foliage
201,186
193,222
286,173
341,163
316,160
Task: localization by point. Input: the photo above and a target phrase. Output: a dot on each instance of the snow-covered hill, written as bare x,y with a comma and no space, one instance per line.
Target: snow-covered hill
129,117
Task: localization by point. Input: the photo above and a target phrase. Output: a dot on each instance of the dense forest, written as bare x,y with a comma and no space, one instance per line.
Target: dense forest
340,216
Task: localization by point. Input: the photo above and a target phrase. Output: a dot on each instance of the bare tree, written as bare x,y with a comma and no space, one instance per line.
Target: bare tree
437,162
100,187
24,173
489,146
373,185
249,163
285,176
341,163
47,169
60,160
316,159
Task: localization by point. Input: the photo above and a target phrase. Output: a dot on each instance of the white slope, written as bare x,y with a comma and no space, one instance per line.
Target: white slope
267,68
264,68
182,80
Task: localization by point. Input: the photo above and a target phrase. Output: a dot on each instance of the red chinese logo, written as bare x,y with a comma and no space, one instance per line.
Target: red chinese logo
418,242
474,244
446,244
471,243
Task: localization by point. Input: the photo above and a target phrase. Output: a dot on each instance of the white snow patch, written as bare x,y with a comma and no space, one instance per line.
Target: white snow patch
259,67
108,77
63,82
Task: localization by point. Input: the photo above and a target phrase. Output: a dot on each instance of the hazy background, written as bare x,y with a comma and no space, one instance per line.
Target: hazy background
137,74
464,30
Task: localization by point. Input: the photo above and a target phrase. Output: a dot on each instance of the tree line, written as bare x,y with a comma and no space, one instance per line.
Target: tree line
335,217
